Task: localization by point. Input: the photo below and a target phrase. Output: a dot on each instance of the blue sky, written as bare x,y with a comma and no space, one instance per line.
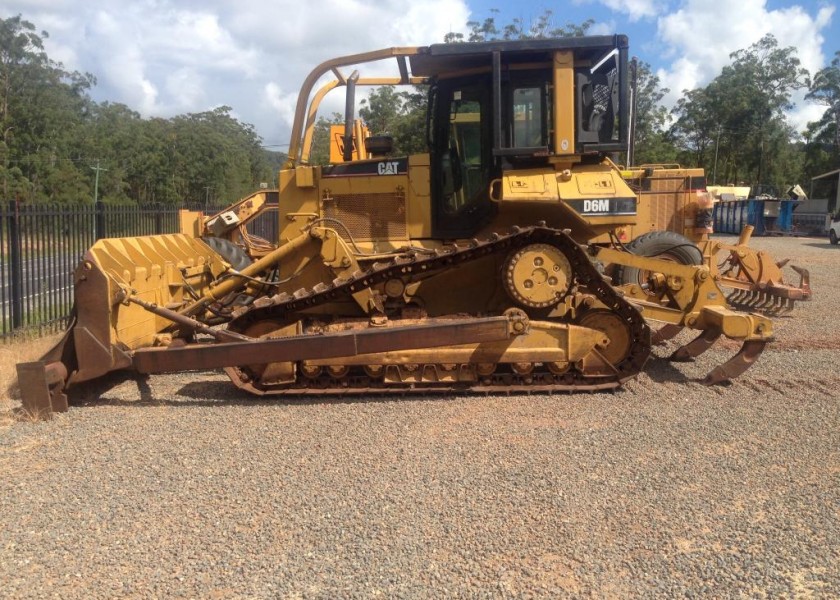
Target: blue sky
168,57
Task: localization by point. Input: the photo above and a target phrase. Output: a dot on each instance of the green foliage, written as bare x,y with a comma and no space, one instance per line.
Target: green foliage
399,114
53,135
822,137
735,126
42,113
321,139
652,140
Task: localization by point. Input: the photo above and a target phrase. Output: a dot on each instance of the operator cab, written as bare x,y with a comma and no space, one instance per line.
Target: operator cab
496,106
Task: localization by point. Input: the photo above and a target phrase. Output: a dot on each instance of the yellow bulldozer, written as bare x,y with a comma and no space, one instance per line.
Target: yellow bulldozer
512,255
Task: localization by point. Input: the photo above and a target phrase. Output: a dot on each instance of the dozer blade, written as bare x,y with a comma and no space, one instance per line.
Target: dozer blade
736,365
41,388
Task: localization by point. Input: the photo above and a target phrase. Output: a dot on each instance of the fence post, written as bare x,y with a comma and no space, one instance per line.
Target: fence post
15,265
158,218
99,220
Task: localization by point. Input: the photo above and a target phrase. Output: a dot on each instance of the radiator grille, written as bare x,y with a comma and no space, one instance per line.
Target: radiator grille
369,216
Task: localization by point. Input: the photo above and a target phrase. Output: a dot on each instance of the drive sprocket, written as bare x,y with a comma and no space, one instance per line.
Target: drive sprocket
537,276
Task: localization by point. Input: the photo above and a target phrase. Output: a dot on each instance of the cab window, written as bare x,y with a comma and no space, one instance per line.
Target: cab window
528,119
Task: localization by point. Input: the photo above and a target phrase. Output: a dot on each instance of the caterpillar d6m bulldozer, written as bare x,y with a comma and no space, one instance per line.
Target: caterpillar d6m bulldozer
491,262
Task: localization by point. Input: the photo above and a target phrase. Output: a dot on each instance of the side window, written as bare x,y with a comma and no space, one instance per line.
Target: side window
528,119
598,102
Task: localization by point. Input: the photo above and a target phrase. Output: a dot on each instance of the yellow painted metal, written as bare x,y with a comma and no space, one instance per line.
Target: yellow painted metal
564,102
667,201
242,211
299,205
746,234
737,325
544,342
239,280
333,65
372,208
538,276
304,177
687,295
360,134
538,185
419,217
543,193
191,222
155,269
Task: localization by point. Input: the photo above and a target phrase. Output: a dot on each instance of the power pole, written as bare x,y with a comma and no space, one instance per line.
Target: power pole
714,169
97,168
98,214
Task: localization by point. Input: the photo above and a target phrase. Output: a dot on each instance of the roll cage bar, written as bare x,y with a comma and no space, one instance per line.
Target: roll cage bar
427,62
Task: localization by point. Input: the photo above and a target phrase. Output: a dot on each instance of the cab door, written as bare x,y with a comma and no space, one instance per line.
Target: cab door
461,156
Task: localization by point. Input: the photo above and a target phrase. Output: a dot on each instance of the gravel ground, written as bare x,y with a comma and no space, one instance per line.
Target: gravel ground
179,486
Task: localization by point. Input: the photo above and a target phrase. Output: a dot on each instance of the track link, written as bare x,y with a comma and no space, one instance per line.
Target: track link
283,307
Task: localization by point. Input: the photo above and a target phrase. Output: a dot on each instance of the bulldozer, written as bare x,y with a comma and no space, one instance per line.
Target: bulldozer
501,259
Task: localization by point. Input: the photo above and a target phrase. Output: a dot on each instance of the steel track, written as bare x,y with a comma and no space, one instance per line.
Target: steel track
284,308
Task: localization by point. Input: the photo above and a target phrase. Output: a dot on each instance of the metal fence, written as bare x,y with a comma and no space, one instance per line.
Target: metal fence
40,247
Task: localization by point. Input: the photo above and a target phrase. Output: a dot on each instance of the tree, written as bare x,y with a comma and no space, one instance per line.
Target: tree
320,154
53,134
823,136
735,127
652,140
42,109
540,28
399,114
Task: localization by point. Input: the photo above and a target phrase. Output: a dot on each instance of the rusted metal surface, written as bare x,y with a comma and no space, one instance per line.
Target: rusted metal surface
756,280
222,335
736,365
697,346
542,383
665,333
281,306
41,387
350,343
772,297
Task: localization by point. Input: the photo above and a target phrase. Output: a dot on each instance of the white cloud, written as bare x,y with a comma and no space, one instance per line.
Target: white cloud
603,28
283,103
187,87
804,112
701,35
633,10
166,57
